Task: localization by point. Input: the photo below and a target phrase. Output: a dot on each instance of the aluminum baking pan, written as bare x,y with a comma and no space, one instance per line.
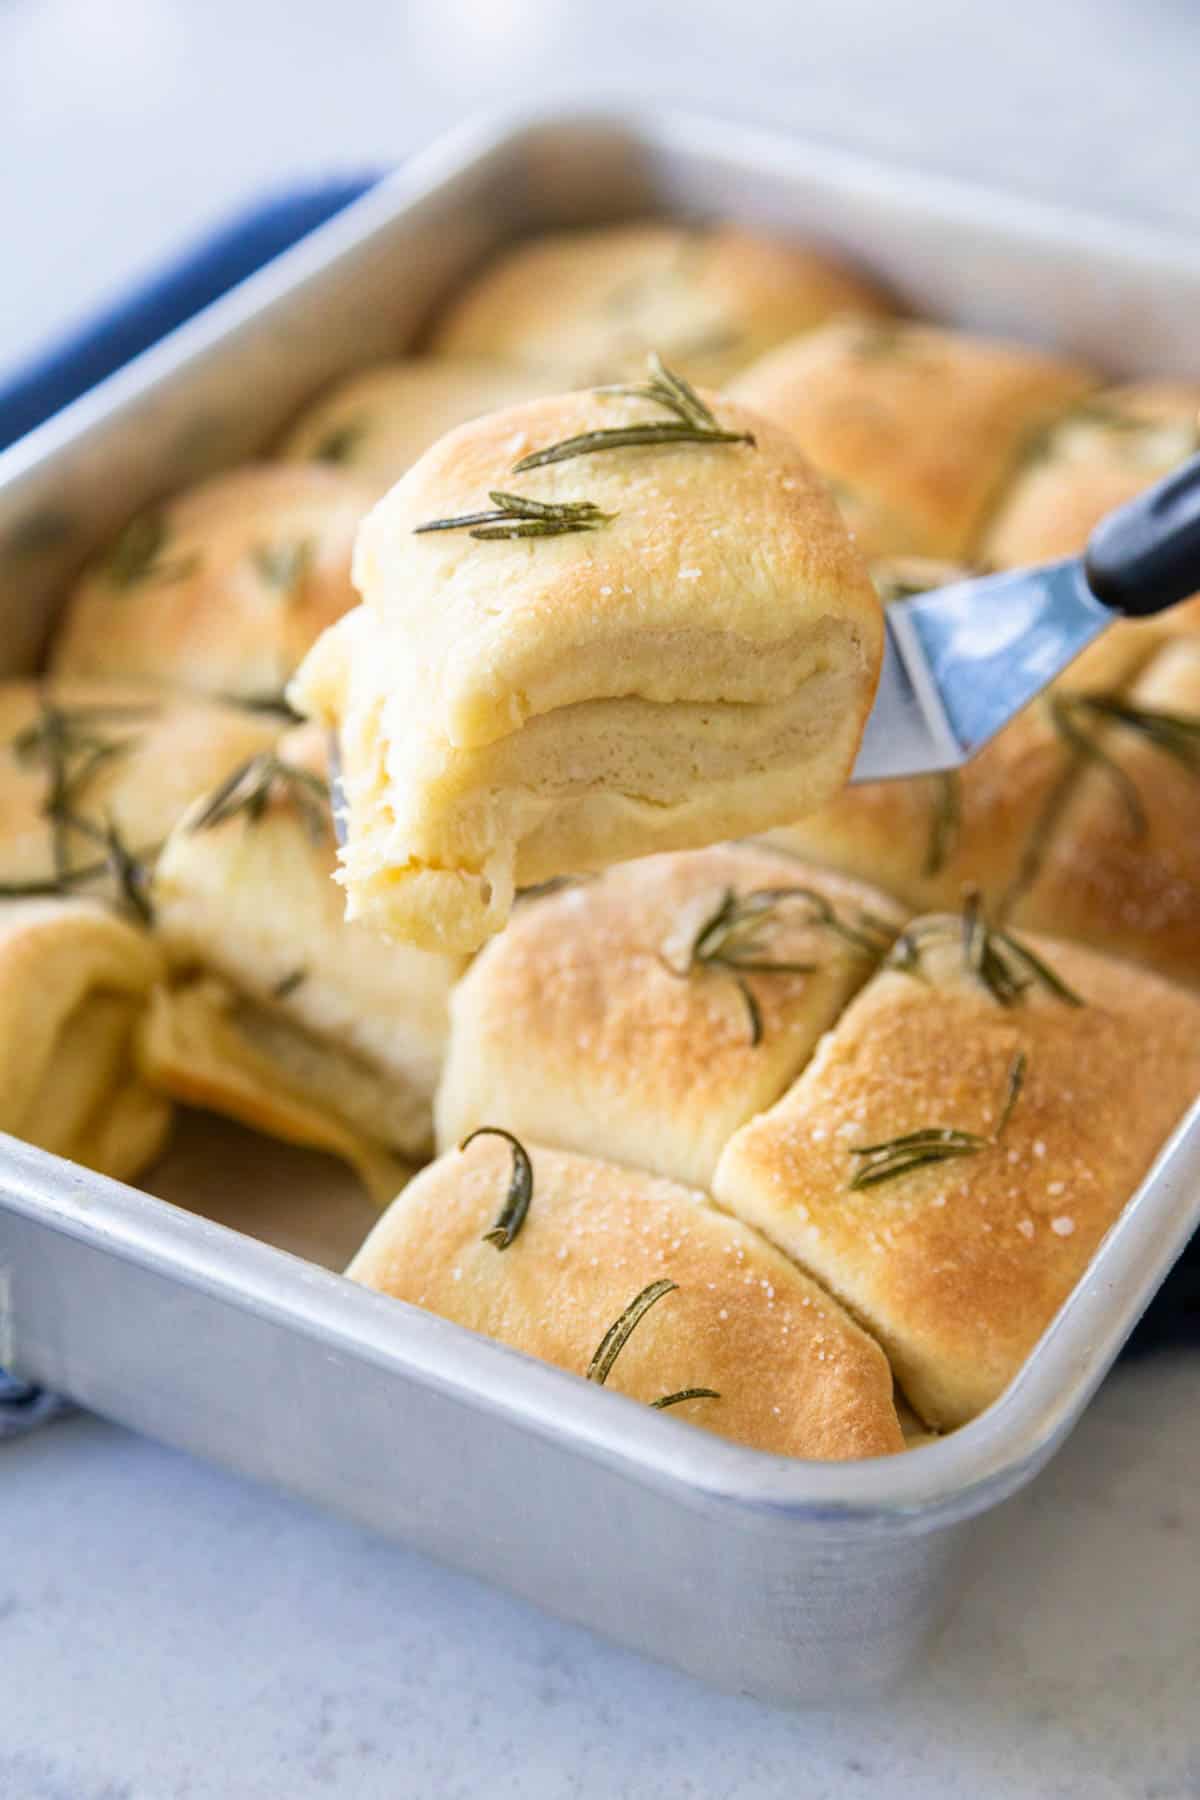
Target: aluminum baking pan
786,1580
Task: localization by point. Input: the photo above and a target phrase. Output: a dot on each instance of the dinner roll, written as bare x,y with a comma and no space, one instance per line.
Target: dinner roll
721,1310
1120,867
279,1013
917,427
957,1148
74,979
222,588
697,663
1096,459
591,303
93,775
648,1013
376,423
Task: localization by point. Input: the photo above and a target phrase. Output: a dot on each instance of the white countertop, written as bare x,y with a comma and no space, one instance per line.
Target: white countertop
168,1632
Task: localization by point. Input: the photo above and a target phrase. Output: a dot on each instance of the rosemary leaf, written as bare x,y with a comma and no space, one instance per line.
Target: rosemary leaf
697,1393
1063,710
520,1187
250,788
690,422
1001,963
284,566
287,984
945,823
517,516
898,1156
136,550
622,1328
340,442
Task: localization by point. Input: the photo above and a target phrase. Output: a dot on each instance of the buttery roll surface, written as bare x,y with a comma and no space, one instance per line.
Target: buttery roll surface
708,298
589,1024
279,1013
916,427
958,1263
793,1374
1119,866
699,666
222,588
1096,459
74,980
375,424
83,760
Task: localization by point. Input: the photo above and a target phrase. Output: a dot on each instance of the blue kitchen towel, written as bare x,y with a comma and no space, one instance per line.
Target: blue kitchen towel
77,362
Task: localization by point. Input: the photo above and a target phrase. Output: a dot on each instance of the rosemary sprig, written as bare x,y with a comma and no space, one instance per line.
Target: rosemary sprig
1002,964
730,939
516,516
898,1156
340,442
68,743
287,984
284,566
622,1328
520,1187
1176,735
945,822
690,421
136,555
697,1393
250,789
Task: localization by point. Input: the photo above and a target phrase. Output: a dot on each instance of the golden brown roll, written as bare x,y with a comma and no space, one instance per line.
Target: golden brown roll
916,427
708,298
74,980
952,1156
648,1013
1120,867
93,775
1096,459
222,588
695,662
375,424
790,1371
925,838
279,1013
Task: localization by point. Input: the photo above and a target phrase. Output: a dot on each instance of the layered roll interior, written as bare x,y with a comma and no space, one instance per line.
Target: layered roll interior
74,983
278,1012
691,659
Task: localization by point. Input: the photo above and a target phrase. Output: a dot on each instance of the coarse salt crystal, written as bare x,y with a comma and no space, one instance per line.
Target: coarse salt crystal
1062,1225
723,1314
1057,1187
1025,1227
689,574
1039,1149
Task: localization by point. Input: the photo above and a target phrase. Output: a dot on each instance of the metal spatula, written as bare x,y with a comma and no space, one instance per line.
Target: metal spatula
961,661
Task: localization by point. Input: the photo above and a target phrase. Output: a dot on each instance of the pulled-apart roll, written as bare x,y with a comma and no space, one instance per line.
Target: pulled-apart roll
222,588
953,1154
93,775
698,1302
375,424
74,980
647,1014
680,646
710,298
278,1012
916,427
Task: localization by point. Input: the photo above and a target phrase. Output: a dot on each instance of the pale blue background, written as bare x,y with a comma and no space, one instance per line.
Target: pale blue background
169,1633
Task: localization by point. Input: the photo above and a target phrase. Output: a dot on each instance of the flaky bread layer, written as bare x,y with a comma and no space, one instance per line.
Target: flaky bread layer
205,1047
